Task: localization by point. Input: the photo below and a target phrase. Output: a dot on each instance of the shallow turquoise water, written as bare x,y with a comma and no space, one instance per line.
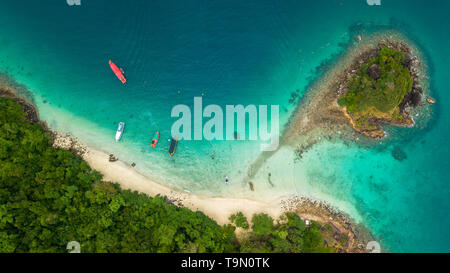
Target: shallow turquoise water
237,52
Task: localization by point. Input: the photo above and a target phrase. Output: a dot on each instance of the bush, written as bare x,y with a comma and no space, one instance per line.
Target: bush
239,220
262,224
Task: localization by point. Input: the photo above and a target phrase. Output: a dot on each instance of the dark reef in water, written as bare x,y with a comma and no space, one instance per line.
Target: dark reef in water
398,153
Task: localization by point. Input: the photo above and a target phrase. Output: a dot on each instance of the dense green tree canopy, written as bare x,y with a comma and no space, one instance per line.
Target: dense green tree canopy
288,235
384,91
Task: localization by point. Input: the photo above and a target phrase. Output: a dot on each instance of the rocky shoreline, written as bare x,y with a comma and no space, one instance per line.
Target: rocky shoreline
358,236
59,140
31,112
68,142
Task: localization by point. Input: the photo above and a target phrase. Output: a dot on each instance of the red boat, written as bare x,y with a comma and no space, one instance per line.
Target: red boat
155,139
117,71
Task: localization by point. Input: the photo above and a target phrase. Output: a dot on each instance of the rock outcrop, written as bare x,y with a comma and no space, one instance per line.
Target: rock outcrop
374,72
431,101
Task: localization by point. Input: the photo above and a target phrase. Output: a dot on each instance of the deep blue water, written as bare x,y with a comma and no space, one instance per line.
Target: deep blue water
237,52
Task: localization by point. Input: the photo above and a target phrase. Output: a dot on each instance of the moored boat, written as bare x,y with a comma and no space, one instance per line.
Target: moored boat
155,139
119,131
173,146
117,71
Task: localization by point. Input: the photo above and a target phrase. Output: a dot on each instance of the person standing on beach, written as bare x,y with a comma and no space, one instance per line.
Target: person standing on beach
227,180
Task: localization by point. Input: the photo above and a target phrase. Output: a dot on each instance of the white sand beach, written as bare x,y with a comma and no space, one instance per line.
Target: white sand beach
218,209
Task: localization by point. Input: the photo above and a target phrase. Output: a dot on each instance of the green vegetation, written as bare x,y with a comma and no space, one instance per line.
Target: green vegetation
239,220
378,87
49,197
262,224
289,234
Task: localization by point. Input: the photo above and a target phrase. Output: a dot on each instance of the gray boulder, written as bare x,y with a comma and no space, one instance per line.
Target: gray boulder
374,72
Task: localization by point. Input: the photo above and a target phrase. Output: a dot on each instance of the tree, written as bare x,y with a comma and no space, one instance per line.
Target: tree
239,220
262,224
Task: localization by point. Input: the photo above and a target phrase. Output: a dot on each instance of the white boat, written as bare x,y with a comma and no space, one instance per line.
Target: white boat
119,131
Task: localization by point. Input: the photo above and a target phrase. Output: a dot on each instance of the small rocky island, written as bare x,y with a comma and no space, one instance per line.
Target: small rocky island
380,87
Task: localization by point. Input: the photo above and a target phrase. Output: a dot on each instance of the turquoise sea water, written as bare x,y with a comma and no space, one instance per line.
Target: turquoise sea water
237,52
